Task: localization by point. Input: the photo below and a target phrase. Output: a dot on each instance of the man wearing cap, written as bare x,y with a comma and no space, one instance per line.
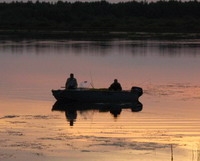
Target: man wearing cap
115,86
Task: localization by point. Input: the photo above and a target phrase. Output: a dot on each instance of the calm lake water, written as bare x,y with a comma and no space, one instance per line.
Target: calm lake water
167,129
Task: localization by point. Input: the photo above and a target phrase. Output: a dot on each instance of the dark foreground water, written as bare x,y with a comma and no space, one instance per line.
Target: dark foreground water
168,127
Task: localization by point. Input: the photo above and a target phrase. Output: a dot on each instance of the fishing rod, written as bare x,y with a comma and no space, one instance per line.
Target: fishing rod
92,84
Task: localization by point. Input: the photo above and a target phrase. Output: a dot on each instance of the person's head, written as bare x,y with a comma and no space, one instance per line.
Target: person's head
71,75
115,80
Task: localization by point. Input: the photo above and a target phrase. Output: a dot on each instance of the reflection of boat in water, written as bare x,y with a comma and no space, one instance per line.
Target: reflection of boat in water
97,95
115,109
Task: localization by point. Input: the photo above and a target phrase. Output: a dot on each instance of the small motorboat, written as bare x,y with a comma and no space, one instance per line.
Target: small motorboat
97,95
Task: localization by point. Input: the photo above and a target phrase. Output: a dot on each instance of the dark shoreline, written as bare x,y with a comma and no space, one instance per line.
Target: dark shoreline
92,35
100,19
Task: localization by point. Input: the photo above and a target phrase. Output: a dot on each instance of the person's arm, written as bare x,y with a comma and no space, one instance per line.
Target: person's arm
67,84
76,84
120,87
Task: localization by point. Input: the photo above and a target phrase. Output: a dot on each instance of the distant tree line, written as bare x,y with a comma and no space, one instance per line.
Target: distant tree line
133,16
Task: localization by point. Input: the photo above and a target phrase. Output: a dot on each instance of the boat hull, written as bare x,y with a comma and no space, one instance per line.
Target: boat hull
97,96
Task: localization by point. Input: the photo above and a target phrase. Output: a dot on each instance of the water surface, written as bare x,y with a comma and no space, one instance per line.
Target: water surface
167,126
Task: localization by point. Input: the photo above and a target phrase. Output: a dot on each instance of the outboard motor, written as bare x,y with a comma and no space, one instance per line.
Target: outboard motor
137,107
137,90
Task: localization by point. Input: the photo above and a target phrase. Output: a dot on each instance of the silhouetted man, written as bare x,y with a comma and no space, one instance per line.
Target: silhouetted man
71,82
115,86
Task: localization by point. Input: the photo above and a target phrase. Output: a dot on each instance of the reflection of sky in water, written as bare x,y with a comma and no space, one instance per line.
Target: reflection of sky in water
167,71
131,62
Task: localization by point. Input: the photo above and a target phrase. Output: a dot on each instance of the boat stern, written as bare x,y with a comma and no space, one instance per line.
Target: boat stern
137,90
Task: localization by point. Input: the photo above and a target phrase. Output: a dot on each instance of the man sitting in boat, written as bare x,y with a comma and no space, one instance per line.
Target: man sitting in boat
115,86
71,82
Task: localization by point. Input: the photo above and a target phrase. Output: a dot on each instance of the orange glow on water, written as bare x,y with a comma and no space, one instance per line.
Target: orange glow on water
170,115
